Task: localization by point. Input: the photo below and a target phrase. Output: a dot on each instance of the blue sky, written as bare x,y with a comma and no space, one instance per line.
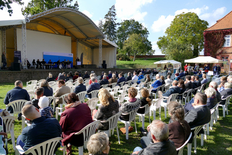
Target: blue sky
156,15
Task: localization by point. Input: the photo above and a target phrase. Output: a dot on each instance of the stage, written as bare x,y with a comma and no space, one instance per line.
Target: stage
8,76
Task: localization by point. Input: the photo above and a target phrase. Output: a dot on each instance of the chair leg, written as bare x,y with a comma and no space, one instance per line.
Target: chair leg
223,110
135,126
154,114
217,113
127,126
160,112
143,121
23,123
189,148
202,139
195,144
12,138
118,135
80,149
64,150
165,112
149,117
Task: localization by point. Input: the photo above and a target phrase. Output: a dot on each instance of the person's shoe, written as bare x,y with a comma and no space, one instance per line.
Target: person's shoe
143,132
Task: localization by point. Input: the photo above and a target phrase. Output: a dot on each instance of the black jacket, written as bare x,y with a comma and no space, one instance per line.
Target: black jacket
189,85
225,93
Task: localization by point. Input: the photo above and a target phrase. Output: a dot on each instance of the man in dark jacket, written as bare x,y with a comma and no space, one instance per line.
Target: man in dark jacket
188,84
4,60
160,143
80,87
86,76
93,86
172,90
121,79
42,128
104,80
226,92
17,93
129,76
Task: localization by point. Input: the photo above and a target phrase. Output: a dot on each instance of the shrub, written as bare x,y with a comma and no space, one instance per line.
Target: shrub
124,57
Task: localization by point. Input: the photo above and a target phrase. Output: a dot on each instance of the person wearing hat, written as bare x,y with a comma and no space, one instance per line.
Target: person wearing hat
177,77
45,109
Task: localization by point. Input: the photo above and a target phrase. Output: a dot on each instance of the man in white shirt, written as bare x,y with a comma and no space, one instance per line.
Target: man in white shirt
135,77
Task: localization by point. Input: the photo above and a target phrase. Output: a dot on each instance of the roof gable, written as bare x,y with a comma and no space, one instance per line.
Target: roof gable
223,23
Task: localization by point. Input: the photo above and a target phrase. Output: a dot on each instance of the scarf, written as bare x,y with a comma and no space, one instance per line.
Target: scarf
72,105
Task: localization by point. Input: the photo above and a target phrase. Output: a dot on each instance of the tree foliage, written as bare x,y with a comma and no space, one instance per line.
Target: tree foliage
186,28
137,44
7,4
110,24
178,51
37,6
128,27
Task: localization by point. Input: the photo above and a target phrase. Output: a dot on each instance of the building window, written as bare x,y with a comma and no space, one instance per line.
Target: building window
227,41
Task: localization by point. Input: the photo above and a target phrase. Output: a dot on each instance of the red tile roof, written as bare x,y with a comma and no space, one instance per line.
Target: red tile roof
223,23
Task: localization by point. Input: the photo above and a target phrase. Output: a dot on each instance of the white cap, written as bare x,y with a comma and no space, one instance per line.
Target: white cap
43,102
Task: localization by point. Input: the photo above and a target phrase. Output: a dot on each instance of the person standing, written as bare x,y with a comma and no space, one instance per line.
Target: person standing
4,60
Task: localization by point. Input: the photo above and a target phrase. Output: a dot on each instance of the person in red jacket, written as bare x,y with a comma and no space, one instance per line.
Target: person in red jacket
75,117
186,67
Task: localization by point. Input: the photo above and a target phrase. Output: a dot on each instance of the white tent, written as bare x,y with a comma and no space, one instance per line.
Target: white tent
173,62
203,59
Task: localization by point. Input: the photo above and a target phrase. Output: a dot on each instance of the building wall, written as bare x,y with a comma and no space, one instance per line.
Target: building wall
39,42
108,54
87,53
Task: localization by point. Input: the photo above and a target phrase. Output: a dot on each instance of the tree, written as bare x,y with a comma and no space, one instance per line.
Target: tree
178,51
138,44
110,25
100,25
37,6
128,27
7,4
186,28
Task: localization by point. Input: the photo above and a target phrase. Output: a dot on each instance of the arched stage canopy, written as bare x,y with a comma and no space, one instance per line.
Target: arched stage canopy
66,22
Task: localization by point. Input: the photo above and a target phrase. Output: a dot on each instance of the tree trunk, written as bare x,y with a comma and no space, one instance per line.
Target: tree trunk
134,56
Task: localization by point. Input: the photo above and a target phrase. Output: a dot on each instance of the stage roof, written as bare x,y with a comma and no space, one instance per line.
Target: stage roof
65,21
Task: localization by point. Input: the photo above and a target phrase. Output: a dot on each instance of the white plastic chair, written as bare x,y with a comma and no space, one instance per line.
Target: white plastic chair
116,88
87,131
225,106
132,115
8,121
154,106
113,123
94,93
81,96
146,111
195,130
124,88
45,148
213,116
169,99
17,106
113,85
181,149
104,85
59,110
92,103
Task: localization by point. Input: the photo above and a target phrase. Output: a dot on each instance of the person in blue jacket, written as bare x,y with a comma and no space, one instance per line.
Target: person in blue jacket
157,83
140,77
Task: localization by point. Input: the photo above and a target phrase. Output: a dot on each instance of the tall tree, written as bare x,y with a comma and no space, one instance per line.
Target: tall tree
7,4
128,27
100,25
110,24
186,28
138,44
37,6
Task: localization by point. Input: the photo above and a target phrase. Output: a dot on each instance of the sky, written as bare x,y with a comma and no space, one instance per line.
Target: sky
155,15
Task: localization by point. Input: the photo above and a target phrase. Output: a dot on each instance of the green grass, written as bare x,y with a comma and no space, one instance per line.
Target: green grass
219,142
138,63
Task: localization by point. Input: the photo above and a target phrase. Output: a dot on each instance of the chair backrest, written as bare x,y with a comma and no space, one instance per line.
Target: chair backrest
81,96
113,84
121,98
45,148
116,88
16,105
197,129
134,84
8,122
180,149
63,96
88,130
228,99
92,103
132,113
129,82
156,103
51,99
108,89
94,93
104,85
147,108
113,121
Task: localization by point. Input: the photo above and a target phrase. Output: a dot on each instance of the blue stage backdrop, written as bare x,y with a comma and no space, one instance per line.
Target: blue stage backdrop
54,57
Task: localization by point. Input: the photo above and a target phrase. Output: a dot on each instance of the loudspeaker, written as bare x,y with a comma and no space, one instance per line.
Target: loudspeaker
16,59
15,66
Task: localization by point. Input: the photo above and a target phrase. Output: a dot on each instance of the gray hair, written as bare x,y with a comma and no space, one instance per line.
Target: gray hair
210,92
17,83
93,78
105,76
227,85
213,84
114,76
160,130
80,80
50,75
157,75
98,143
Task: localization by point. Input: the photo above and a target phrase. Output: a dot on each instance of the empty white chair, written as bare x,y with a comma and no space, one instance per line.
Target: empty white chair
181,149
8,121
155,104
169,99
92,103
146,111
94,93
46,148
59,110
113,123
132,115
87,131
225,106
104,85
81,96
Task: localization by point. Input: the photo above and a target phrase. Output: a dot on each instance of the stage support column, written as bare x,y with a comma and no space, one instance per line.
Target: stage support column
24,46
3,44
100,53
115,57
1,47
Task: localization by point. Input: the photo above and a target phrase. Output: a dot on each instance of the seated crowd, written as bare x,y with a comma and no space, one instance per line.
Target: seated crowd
161,138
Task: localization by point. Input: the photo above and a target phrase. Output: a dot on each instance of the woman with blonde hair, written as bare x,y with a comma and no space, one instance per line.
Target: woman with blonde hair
48,91
92,75
109,107
221,86
99,144
144,101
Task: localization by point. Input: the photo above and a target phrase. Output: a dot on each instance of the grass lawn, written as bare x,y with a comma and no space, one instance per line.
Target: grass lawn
219,142
138,63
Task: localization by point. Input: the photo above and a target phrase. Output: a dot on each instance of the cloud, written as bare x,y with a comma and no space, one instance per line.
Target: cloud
17,14
214,16
131,9
156,48
87,13
164,21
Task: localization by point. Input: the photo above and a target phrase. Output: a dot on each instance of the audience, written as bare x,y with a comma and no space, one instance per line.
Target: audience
45,109
104,80
197,82
76,116
226,92
61,91
39,92
93,86
211,97
188,84
168,81
99,144
172,90
144,101
92,75
221,86
62,76
76,75
129,76
121,79
148,79
113,79
177,77
135,77
109,107
140,77
204,81
160,143
69,77
157,83
181,85
213,85
162,80
86,76
110,75
40,130
48,91
81,87
50,77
